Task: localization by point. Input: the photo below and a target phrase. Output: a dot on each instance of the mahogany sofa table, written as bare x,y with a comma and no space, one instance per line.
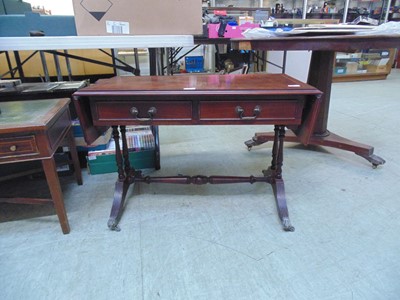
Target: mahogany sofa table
33,130
275,99
320,76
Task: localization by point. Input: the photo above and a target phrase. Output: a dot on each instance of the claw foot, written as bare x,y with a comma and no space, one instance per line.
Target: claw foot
249,144
375,160
286,225
113,225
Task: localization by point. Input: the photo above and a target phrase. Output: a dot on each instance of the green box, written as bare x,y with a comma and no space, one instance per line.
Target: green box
103,164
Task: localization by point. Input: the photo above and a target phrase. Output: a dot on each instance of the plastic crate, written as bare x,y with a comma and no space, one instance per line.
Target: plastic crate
102,164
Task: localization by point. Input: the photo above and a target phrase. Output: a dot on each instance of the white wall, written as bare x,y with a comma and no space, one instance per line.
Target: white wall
297,63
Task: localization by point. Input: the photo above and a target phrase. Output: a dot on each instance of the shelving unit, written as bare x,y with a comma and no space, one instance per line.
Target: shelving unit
348,66
364,65
394,12
345,10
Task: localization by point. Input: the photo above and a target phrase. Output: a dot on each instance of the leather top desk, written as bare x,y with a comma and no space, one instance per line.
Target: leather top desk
198,100
33,130
320,76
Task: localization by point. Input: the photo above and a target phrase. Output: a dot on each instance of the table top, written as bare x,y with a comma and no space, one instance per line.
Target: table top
192,85
19,115
319,42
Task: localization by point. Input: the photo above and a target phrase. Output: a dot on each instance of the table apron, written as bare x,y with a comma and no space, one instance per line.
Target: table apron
202,112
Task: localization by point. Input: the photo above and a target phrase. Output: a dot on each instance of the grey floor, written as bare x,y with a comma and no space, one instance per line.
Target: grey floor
226,242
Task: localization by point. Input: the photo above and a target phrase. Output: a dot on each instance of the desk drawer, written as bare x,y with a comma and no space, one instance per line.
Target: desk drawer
272,111
134,112
18,146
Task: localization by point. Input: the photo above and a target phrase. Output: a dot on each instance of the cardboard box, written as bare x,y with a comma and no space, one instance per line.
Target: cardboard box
376,69
136,17
351,67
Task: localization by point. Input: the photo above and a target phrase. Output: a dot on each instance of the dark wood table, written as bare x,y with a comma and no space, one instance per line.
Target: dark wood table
33,130
198,100
320,76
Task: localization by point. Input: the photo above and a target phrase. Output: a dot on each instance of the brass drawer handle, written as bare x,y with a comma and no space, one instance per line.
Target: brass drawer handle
240,111
13,148
151,113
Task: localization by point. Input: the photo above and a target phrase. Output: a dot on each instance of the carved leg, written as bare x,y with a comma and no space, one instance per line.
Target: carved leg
271,171
275,149
125,151
118,156
154,129
121,189
123,182
280,199
280,132
275,172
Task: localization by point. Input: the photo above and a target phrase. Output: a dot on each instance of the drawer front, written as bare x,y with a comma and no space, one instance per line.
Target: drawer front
18,146
136,112
272,111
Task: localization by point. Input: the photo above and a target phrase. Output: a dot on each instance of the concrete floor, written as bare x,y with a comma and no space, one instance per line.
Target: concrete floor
226,242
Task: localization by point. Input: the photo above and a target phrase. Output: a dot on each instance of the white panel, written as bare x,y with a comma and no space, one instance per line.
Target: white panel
297,63
94,42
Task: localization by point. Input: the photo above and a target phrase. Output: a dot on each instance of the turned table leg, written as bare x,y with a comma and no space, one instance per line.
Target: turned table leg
125,177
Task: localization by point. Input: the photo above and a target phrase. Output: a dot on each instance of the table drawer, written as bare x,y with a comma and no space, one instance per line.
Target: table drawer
134,112
272,111
18,146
